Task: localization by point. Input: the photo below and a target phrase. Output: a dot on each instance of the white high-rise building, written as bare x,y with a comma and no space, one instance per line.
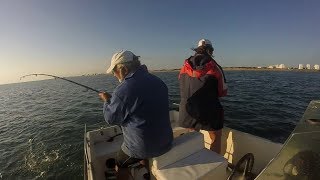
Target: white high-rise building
308,66
300,66
316,66
281,66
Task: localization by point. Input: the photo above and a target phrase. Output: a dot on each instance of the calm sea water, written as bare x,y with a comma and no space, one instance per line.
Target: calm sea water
42,122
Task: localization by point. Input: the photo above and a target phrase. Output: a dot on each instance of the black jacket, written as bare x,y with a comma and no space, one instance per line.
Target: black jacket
200,107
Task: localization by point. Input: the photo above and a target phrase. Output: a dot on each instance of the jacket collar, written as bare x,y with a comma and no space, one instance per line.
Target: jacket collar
142,68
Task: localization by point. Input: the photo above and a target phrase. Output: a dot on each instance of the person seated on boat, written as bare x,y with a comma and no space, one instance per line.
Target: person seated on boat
140,105
202,82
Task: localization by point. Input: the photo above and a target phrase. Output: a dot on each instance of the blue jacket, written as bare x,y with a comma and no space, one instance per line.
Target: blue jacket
140,106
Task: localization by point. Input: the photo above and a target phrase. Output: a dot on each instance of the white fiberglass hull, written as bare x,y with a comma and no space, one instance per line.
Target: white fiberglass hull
103,144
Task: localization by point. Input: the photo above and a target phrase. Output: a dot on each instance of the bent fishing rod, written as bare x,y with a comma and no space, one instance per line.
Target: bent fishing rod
57,77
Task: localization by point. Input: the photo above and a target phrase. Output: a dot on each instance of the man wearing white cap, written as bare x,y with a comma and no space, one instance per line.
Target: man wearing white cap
140,105
202,83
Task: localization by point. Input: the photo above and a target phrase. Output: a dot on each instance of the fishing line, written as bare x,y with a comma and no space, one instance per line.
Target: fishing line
57,77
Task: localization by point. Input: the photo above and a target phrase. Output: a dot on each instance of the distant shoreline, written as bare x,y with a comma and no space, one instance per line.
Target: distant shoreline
177,70
246,69
266,69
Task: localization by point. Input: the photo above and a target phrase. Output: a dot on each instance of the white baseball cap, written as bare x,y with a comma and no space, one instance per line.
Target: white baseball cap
204,42
121,57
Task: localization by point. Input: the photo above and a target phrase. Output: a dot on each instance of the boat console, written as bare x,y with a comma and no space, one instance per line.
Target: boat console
300,156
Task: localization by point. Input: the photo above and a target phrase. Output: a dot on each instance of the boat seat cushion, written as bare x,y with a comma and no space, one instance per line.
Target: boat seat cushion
182,147
188,159
204,164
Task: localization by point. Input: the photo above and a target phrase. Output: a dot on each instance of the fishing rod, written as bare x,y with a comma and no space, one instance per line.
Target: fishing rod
57,77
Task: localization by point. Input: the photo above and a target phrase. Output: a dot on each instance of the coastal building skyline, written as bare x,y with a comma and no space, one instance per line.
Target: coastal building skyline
300,66
283,66
308,66
277,66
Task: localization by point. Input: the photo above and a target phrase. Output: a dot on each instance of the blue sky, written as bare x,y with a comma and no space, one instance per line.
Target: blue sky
77,37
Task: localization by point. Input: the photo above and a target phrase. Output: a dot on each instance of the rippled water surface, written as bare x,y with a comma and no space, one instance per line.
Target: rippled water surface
42,122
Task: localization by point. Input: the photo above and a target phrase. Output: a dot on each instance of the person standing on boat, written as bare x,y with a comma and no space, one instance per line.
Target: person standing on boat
202,83
140,105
